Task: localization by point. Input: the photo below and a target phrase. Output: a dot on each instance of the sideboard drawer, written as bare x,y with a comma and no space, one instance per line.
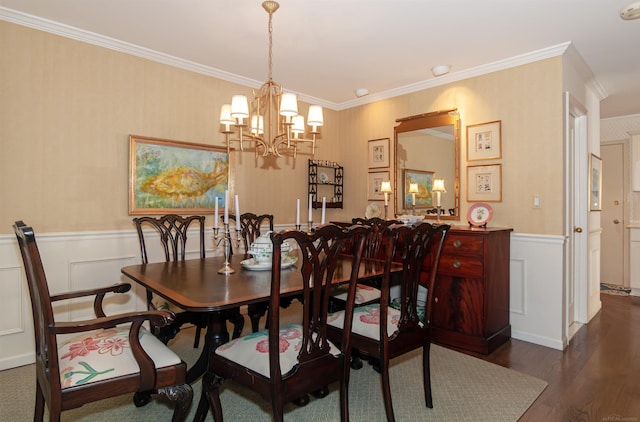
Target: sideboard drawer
461,266
461,244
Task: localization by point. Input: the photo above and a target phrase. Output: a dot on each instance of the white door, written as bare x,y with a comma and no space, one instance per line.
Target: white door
612,218
575,221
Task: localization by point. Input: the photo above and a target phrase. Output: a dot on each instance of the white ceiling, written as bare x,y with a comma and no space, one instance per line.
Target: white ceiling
326,49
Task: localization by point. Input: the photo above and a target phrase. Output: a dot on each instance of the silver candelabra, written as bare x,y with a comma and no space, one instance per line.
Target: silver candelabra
227,241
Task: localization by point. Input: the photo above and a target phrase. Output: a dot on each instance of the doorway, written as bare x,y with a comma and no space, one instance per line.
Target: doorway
576,216
615,174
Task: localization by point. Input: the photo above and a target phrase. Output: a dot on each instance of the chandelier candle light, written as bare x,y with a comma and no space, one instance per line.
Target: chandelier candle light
272,115
225,237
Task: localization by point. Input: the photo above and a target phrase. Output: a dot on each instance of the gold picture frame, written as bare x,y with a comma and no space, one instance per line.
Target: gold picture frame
167,176
379,153
484,141
484,183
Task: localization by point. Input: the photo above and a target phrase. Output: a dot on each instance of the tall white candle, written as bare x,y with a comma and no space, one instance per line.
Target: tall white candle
215,214
226,207
386,199
298,212
324,207
413,199
237,214
310,208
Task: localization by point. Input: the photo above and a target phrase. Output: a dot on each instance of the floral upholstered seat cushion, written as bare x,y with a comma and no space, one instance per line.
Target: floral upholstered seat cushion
364,293
103,354
366,321
252,350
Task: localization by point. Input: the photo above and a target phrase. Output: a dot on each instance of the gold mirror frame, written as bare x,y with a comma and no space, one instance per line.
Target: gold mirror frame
426,121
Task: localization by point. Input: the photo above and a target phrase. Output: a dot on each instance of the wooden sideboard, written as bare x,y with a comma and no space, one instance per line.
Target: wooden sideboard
471,303
471,296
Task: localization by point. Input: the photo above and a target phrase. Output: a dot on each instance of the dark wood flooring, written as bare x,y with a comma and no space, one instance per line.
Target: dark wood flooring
596,378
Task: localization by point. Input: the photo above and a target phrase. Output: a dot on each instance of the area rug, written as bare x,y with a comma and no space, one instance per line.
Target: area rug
614,289
464,389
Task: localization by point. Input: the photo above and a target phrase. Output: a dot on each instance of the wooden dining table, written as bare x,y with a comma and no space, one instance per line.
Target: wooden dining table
195,285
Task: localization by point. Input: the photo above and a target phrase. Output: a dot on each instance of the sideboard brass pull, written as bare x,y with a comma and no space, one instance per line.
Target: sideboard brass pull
457,243
457,264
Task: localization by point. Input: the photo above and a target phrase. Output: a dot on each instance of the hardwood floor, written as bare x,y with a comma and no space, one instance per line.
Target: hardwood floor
597,378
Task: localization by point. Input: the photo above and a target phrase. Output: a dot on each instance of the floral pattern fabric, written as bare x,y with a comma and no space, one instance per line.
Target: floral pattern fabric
252,350
366,321
103,354
364,293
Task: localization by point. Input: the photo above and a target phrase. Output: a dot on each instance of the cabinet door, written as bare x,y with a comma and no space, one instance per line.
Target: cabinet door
459,304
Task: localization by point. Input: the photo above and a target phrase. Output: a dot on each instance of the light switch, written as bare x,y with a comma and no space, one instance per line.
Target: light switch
537,202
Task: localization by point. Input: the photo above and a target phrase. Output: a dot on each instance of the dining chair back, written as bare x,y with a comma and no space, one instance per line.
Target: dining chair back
90,360
251,226
250,229
395,326
173,232
374,244
285,362
373,248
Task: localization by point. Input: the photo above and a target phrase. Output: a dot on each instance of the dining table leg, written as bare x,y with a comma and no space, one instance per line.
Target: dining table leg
216,335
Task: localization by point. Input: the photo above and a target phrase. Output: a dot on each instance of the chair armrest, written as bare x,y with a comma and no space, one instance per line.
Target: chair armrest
145,363
98,293
157,318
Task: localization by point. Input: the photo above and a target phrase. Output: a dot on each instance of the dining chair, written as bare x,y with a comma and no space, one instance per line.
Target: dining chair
172,231
284,363
250,229
374,249
384,332
79,362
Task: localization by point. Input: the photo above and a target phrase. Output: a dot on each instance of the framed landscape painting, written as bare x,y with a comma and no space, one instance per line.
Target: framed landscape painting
168,176
424,180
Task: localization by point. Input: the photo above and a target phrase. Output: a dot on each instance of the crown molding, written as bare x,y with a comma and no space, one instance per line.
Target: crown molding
124,47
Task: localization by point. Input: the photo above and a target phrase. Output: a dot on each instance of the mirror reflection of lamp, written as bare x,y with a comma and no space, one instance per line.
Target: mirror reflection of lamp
438,188
413,189
385,187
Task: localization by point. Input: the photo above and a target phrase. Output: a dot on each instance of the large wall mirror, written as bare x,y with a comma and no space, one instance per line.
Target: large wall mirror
427,147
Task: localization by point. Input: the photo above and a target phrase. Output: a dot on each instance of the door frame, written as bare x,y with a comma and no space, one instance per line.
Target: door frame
576,189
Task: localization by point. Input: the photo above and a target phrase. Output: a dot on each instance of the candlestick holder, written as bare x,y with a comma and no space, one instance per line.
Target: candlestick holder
298,227
439,210
227,241
310,226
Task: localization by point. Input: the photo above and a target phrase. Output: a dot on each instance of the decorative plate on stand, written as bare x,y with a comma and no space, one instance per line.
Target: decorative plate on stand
479,214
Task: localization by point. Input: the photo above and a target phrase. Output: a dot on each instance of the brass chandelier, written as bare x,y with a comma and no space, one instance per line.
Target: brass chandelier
270,120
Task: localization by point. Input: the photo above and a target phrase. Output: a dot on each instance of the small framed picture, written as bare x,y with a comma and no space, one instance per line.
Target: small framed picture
375,180
595,183
379,153
484,141
484,183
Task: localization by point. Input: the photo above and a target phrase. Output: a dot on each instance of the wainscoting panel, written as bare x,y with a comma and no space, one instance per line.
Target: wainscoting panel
537,285
75,261
88,259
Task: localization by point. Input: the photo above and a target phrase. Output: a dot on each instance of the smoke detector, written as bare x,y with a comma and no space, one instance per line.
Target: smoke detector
631,11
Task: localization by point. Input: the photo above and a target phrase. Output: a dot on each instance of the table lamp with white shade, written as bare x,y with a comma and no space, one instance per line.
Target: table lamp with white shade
438,188
385,187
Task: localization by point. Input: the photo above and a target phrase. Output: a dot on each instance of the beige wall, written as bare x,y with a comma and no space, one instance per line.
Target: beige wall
528,101
68,107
